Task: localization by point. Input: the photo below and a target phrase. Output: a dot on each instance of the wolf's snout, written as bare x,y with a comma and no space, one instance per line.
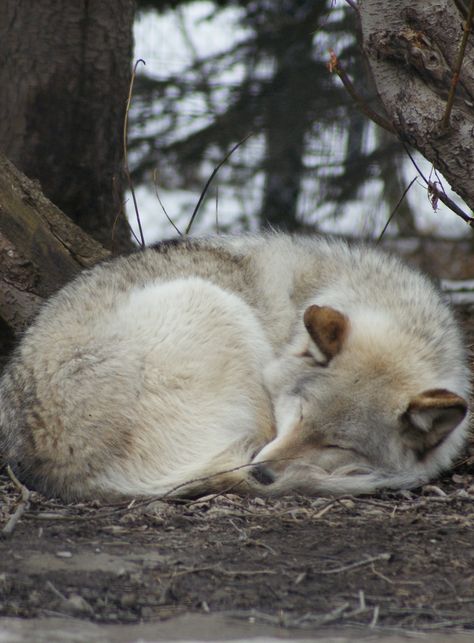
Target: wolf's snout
262,474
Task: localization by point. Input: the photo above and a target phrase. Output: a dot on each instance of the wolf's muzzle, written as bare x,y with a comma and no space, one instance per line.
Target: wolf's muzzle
262,474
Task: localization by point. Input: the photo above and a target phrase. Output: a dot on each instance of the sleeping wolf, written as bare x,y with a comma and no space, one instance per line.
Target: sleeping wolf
267,363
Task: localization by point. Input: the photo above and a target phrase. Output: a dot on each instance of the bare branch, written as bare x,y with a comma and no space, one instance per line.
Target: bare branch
210,179
467,27
414,55
335,67
359,563
389,220
155,184
125,150
353,4
433,190
22,505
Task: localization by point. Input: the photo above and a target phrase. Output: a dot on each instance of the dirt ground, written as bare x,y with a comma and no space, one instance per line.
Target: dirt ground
399,562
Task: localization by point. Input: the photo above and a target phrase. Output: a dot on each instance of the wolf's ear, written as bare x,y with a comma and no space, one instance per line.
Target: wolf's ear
430,418
327,328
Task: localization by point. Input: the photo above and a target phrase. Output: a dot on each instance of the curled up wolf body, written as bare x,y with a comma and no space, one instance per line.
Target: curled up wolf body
266,364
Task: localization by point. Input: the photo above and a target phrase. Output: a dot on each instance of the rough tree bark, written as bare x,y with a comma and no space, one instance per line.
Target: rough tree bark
412,47
40,250
64,77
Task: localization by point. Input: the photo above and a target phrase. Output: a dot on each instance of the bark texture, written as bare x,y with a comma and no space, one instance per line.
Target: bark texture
40,250
64,74
412,48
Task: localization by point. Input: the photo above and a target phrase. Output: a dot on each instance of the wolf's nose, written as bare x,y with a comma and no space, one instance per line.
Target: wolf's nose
262,474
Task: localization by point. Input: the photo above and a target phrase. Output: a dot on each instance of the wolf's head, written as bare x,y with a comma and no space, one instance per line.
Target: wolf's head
363,401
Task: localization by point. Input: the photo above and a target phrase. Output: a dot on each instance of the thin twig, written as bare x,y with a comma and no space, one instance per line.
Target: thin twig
375,617
353,4
125,150
441,195
281,620
389,220
334,67
110,510
328,505
23,505
121,213
360,563
210,179
57,517
191,483
212,497
155,183
217,209
312,620
462,7
467,27
182,571
168,495
55,591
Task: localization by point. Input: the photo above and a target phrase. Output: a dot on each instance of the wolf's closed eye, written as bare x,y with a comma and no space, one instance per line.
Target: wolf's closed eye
347,448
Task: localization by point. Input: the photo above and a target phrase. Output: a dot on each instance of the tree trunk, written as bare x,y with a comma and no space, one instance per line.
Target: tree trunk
64,82
40,250
412,47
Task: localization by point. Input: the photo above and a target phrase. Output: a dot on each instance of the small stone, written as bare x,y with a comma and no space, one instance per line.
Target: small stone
114,529
457,478
35,597
129,599
348,504
64,554
146,612
75,604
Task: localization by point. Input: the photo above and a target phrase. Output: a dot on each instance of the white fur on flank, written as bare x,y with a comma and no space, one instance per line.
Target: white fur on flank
160,389
200,385
154,370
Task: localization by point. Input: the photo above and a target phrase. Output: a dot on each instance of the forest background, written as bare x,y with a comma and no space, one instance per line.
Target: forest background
218,72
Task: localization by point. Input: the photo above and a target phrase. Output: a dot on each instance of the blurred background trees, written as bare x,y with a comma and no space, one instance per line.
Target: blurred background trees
253,71
311,153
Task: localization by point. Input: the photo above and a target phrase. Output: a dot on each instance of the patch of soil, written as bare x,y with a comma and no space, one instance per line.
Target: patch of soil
395,560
